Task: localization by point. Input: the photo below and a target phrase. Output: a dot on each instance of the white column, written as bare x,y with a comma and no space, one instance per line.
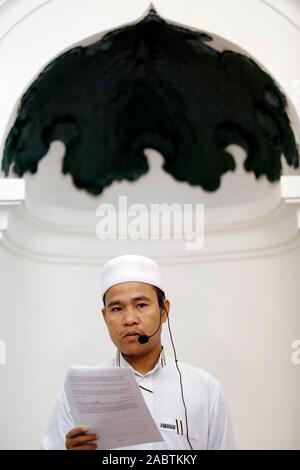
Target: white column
12,193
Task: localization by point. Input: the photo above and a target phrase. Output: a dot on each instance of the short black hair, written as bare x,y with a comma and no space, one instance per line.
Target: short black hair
160,297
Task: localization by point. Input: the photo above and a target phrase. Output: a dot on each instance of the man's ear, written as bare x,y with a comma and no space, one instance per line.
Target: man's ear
103,310
166,310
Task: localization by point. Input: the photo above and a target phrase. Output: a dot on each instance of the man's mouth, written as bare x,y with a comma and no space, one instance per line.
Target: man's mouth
132,334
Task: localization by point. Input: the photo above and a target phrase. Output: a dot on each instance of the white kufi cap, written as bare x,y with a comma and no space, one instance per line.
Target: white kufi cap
128,268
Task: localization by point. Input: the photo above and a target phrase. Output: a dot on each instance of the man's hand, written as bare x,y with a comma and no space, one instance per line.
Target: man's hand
78,439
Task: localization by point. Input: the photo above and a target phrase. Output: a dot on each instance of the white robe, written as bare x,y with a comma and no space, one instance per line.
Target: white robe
209,425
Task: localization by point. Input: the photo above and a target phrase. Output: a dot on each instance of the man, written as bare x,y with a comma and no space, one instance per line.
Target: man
186,403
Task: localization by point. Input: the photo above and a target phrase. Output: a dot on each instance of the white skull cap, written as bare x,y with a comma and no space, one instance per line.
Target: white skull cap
126,268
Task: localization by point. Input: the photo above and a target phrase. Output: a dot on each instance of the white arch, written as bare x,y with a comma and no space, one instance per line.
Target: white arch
27,21
73,21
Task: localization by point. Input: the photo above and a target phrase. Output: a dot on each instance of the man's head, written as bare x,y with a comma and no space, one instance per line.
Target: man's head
133,300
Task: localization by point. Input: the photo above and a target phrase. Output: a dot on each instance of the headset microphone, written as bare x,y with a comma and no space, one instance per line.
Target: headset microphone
145,338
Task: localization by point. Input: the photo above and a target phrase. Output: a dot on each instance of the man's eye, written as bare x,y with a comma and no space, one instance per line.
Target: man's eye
142,305
116,309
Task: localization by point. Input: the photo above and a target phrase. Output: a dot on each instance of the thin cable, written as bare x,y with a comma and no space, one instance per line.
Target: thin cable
181,386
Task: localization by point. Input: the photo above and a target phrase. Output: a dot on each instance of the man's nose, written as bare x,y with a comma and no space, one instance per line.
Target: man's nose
130,317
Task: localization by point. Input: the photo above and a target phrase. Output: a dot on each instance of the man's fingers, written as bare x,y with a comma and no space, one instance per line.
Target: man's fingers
85,447
83,439
77,432
78,439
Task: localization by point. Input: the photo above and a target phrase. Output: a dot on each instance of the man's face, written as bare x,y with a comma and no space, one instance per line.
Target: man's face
131,309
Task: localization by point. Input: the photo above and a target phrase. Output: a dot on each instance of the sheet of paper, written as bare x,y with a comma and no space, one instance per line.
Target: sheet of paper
110,403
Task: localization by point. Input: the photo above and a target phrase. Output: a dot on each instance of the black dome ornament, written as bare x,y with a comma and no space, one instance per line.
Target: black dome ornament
152,85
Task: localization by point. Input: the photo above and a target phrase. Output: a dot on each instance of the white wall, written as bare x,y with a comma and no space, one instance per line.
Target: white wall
235,316
235,319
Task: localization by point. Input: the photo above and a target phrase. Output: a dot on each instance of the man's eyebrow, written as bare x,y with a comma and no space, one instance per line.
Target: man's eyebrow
114,302
119,302
142,297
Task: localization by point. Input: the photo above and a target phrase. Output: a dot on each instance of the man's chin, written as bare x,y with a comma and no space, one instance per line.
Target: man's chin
134,348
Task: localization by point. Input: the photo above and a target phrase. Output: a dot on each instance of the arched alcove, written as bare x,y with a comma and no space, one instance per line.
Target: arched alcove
51,257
